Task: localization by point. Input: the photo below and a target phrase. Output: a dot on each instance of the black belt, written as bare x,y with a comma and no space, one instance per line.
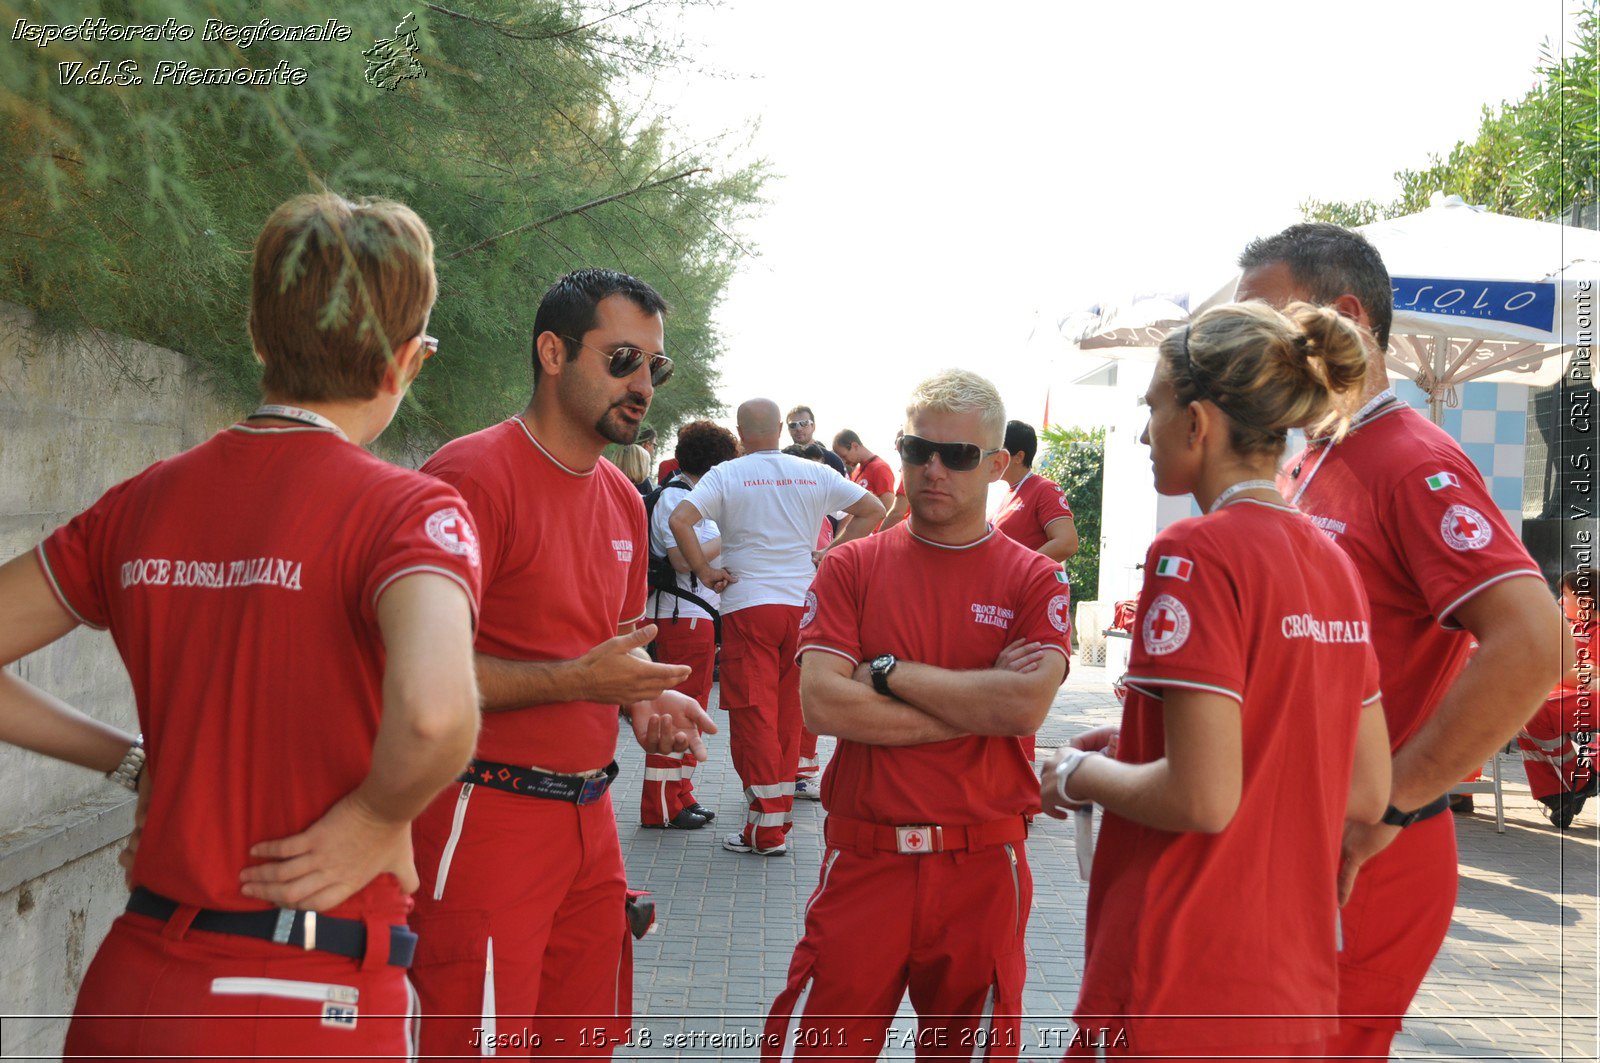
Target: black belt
531,782
342,937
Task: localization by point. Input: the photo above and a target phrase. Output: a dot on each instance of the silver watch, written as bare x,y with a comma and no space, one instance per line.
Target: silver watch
127,773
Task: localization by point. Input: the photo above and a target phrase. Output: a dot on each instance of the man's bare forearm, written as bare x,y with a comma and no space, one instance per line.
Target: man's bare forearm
839,706
987,701
1517,662
505,684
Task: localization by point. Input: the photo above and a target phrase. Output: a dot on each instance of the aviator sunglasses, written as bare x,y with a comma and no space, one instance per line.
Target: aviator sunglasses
957,457
625,361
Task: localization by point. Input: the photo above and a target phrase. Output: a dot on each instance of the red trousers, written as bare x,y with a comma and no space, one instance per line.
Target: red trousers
1392,927
947,926
668,788
761,691
167,991
1558,744
807,767
520,923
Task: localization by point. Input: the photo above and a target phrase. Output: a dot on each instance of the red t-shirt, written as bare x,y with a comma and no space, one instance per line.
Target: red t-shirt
954,607
1254,604
1410,509
240,581
1030,508
667,467
564,560
875,475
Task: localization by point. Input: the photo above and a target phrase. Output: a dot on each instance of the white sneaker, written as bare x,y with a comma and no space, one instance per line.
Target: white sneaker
807,790
735,843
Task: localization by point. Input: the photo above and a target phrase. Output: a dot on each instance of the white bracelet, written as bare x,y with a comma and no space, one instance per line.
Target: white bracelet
132,766
1064,770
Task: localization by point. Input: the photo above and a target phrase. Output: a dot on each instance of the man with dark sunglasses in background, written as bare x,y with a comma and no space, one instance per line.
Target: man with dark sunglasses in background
769,506
929,651
803,430
521,909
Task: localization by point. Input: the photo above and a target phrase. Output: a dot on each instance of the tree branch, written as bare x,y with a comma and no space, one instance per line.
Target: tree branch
579,209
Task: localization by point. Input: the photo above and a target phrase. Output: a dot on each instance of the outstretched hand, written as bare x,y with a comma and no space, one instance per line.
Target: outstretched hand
671,723
320,867
613,672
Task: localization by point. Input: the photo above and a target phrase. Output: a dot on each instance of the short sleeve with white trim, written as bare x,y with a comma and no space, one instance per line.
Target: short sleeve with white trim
1408,507
240,582
1030,508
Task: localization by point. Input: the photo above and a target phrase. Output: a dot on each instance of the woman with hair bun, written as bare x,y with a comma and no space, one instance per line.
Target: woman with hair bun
1252,726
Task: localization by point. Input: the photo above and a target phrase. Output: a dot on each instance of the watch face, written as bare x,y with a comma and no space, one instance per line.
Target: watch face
882,662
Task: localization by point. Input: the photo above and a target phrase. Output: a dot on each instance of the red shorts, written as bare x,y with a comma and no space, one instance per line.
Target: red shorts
166,993
520,916
1394,923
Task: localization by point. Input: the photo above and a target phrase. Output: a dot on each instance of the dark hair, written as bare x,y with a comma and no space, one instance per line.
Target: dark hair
1328,261
1579,584
646,435
847,438
1269,371
703,444
792,414
569,306
1020,436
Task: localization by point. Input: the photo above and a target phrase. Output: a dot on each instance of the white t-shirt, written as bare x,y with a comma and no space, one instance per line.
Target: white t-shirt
662,606
769,506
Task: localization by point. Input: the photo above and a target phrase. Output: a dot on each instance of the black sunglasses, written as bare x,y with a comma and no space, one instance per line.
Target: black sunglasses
957,457
625,361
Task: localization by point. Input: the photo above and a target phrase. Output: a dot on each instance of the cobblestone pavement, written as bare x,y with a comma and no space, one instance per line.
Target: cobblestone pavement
1516,978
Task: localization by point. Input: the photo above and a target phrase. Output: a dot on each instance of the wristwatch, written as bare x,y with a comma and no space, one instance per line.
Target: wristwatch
132,766
880,667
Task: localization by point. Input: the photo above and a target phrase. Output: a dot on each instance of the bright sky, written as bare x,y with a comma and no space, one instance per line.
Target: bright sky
951,180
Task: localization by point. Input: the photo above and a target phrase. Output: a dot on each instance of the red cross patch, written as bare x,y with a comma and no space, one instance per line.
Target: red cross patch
1166,625
1463,528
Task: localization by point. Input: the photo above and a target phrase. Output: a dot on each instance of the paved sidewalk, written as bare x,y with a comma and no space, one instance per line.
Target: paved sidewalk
1516,978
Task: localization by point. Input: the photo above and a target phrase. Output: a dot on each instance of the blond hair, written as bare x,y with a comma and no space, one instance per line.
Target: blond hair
634,461
1270,371
958,391
335,286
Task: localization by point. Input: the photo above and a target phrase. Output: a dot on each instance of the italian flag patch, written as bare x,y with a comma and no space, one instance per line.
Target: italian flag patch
1176,567
1440,480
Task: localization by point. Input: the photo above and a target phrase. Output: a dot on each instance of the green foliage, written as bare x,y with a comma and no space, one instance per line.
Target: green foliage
1075,459
1532,158
134,208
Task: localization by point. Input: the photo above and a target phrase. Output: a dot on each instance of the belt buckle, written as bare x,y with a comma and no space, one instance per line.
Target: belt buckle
919,839
593,789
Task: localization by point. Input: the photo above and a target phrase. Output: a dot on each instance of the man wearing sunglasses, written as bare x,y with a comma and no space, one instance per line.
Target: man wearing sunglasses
929,651
522,900
803,430
769,506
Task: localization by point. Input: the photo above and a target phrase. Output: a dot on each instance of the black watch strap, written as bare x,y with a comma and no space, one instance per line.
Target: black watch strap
1396,818
880,675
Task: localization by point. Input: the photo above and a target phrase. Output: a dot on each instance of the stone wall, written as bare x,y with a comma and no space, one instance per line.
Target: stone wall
75,418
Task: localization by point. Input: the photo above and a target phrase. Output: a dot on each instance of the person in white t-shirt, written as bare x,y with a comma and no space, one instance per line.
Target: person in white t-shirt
685,632
768,506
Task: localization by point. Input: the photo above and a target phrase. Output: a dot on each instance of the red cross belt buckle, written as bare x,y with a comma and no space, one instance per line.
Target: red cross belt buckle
922,839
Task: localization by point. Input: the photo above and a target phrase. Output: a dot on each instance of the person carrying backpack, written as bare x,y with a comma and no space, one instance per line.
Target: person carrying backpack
686,618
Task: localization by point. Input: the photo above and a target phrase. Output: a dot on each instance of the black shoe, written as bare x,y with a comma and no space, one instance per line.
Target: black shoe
1461,804
687,820
701,810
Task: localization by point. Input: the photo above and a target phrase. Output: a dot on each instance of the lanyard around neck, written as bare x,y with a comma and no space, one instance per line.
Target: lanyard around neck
300,414
1379,403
